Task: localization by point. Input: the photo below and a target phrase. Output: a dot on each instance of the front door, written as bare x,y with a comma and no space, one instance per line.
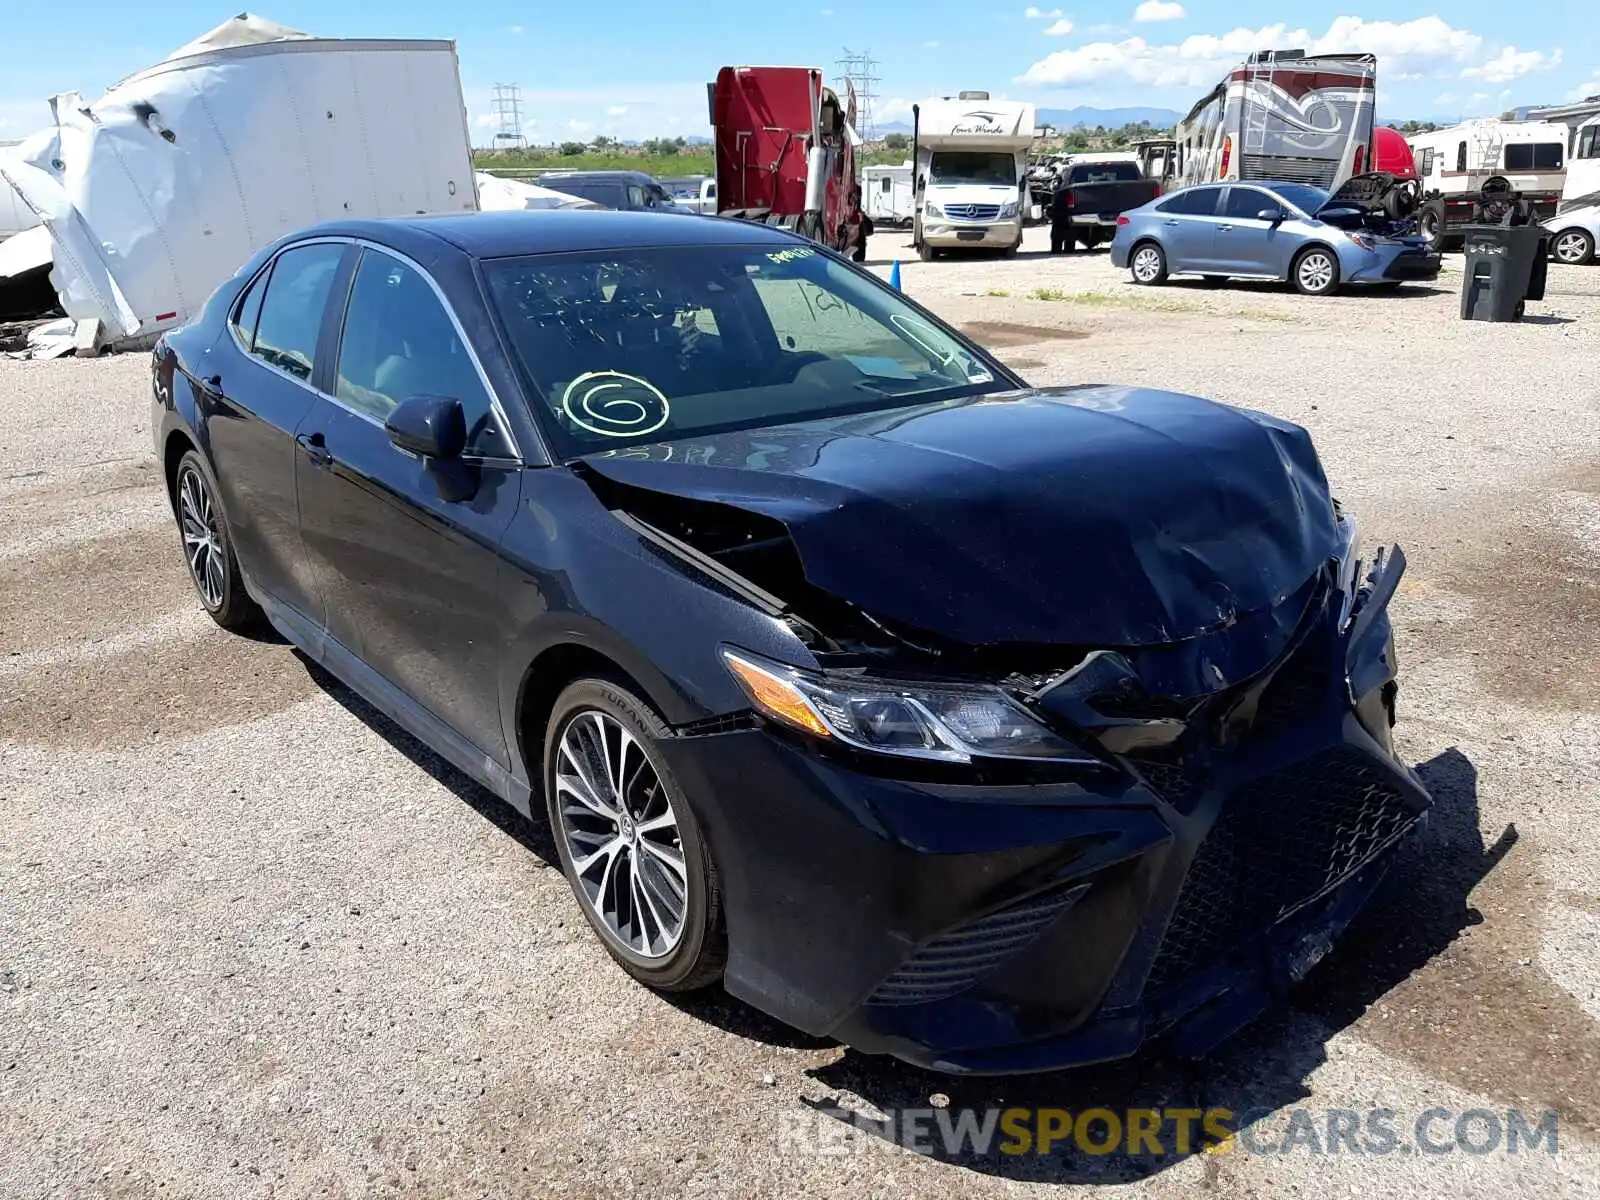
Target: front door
410,568
1245,244
258,398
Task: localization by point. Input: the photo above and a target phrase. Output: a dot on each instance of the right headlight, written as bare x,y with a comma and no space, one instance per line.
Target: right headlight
939,721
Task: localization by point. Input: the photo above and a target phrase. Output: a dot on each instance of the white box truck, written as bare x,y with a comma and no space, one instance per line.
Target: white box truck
971,156
154,194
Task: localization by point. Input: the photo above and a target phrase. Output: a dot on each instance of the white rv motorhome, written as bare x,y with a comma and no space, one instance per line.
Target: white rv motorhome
1582,188
886,194
1454,164
971,184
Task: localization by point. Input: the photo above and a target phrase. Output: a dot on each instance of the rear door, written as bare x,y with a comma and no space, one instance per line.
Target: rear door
258,400
1187,227
1245,244
411,576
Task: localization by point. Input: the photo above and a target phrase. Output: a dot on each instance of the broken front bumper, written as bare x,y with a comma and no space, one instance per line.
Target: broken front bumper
1005,927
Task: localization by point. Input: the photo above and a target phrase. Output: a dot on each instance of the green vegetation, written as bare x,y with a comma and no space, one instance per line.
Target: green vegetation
1148,303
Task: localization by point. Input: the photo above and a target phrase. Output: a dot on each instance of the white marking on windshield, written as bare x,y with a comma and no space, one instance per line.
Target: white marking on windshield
612,404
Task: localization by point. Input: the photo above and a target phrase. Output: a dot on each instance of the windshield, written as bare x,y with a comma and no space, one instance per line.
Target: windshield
648,345
972,166
1303,196
1111,172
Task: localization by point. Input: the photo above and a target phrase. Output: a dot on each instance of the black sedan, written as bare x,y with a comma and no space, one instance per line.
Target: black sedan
990,727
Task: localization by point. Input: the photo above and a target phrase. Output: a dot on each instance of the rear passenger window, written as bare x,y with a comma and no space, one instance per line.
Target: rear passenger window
1195,202
291,314
399,342
248,311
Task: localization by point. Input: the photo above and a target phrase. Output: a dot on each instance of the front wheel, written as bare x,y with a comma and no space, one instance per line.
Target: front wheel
926,252
1316,272
628,839
1148,265
208,546
1428,225
1573,247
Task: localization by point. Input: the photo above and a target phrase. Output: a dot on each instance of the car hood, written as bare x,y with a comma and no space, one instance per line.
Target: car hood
1365,192
1100,515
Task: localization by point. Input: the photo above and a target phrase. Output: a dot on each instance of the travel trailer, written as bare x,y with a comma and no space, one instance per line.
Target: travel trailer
1284,116
887,196
1454,164
971,156
1582,187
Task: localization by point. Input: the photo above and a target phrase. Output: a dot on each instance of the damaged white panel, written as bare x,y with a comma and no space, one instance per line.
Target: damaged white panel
158,191
496,194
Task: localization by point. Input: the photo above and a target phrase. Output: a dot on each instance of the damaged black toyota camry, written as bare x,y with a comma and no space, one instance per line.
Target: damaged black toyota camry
996,728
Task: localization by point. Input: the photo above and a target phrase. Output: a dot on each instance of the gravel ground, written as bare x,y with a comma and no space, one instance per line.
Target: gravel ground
255,941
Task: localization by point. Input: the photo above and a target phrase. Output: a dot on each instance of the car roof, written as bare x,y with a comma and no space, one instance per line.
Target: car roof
604,176
545,231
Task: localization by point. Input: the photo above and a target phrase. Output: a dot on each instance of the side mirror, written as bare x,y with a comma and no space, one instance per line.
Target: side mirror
1275,215
430,426
922,182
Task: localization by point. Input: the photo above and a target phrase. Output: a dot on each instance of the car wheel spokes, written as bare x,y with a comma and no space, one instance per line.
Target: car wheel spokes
202,540
1316,272
1145,265
1570,248
621,834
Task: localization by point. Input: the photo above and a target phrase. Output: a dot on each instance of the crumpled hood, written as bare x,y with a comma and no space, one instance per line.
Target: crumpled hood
1093,515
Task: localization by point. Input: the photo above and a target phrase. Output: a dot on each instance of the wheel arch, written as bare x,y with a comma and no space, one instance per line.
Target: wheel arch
1318,244
176,444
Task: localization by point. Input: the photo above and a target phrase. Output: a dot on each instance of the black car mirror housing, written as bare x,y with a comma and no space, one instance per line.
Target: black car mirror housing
430,426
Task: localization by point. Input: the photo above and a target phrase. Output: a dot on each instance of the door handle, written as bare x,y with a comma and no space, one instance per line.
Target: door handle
1224,228
316,448
1170,224
212,387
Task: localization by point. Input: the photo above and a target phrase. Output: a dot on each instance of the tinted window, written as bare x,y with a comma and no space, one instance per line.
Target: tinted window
636,346
399,342
1533,156
291,314
1589,142
1112,172
612,195
1461,156
1245,203
1195,202
636,196
248,310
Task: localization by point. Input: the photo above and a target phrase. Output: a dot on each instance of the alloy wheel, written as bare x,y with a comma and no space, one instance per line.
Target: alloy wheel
202,537
1572,247
1316,272
1147,264
622,835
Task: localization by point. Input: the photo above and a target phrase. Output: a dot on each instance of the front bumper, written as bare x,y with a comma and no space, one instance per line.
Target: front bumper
1414,267
947,234
1390,263
998,928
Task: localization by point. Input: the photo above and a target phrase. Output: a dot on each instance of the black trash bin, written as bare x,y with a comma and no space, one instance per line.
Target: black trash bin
1507,252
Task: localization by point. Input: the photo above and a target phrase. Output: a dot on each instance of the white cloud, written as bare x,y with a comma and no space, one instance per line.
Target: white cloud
1427,45
930,45
1041,14
580,126
1592,88
617,110
1060,29
486,120
1159,10
516,29
1512,63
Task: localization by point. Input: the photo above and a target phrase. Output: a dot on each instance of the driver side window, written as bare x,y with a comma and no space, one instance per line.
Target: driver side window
399,342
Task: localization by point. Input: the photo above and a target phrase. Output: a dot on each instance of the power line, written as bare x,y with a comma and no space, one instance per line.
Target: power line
861,71
508,115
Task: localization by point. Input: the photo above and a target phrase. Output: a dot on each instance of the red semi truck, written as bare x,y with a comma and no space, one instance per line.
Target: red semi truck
785,149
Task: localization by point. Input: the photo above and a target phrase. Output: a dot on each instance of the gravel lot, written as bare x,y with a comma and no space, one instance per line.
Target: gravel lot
255,941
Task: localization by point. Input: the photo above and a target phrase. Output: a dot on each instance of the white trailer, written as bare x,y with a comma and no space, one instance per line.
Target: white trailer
1582,186
1454,163
887,194
971,186
155,193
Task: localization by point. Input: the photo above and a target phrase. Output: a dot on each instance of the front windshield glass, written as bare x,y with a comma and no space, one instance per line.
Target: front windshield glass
647,345
1303,196
971,166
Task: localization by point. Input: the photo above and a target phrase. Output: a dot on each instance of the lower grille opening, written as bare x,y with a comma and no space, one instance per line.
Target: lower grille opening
1277,844
957,959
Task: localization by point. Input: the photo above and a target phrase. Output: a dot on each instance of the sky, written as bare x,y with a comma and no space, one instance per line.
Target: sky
638,68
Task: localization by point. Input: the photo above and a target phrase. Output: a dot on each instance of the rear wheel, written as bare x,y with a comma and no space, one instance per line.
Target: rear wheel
1573,247
1316,272
628,839
208,546
1090,239
1148,266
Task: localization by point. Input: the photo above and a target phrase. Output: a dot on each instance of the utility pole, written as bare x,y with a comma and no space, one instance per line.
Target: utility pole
861,71
508,115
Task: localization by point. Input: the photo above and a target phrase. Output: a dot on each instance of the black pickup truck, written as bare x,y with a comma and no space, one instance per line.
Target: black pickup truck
1100,192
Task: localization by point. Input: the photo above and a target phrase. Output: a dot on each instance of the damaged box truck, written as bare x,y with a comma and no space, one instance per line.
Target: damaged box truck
151,196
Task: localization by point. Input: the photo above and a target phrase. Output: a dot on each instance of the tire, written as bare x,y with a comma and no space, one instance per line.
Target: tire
926,252
1574,247
1315,271
207,543
1429,223
1091,240
1148,264
590,713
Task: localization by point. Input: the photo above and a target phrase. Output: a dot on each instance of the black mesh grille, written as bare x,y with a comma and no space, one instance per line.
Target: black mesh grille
1276,844
954,961
1300,685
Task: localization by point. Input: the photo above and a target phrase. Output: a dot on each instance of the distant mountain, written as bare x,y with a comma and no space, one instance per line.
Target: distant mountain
1069,118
